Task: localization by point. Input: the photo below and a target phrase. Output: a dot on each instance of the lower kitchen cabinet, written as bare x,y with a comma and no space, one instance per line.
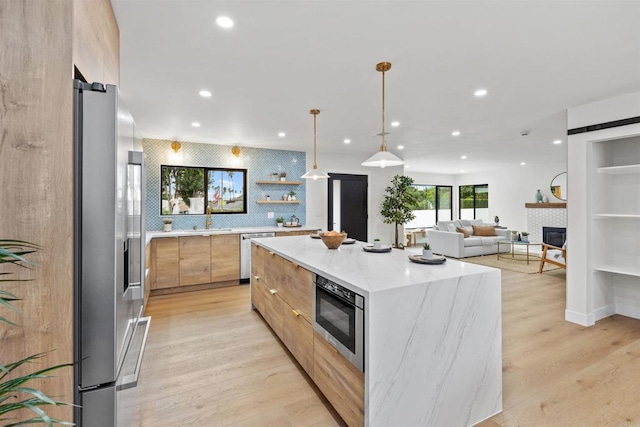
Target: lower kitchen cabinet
167,262
298,337
339,380
294,233
282,292
195,260
273,308
225,257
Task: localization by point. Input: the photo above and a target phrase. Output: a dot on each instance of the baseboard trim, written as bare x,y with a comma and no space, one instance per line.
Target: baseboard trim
602,312
627,310
579,318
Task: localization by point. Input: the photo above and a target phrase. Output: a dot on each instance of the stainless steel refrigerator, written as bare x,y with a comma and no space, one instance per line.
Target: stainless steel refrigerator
109,251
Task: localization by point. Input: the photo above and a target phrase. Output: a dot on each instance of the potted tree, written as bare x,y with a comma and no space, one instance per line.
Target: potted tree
396,207
16,392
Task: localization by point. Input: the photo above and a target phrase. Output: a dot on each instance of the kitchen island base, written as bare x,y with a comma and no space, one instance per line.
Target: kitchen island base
433,334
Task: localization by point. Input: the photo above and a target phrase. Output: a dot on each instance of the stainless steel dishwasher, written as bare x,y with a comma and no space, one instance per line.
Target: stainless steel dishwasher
245,253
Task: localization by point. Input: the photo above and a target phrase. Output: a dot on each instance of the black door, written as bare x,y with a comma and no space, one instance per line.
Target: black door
348,204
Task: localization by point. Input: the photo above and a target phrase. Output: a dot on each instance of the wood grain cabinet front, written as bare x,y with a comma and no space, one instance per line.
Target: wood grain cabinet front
297,290
225,257
339,380
273,266
195,260
298,337
273,308
167,263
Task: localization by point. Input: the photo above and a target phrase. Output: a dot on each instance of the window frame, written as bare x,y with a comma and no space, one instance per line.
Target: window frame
475,199
437,198
206,171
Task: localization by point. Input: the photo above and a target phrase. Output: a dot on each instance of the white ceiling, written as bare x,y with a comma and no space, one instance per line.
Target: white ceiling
283,58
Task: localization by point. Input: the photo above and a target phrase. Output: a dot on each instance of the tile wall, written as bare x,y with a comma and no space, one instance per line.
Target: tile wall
259,162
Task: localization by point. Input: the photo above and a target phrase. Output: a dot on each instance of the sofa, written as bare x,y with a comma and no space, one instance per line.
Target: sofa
445,240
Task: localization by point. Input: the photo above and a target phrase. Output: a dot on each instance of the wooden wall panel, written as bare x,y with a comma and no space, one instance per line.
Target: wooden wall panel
36,177
36,165
96,41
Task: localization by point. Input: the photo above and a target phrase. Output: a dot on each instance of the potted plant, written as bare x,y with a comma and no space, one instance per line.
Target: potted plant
398,202
376,244
16,392
525,236
274,176
426,251
283,176
280,221
292,195
167,224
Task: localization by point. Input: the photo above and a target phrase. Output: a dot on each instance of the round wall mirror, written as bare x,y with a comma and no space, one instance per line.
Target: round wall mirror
559,186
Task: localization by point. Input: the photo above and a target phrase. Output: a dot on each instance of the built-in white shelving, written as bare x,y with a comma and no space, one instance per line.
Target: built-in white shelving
618,269
614,215
619,170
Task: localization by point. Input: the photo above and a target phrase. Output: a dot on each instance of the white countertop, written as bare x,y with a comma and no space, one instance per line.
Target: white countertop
216,231
366,272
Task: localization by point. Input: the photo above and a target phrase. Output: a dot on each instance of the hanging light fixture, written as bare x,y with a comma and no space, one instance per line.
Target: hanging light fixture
315,173
383,158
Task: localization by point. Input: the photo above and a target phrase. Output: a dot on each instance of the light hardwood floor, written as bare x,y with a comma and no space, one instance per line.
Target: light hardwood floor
210,361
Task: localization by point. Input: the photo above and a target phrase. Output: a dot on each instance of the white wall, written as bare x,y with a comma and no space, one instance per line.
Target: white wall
511,188
378,179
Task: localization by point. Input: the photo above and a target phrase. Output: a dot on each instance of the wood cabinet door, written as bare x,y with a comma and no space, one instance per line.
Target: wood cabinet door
195,260
225,257
273,266
257,262
273,306
298,289
340,381
298,337
167,262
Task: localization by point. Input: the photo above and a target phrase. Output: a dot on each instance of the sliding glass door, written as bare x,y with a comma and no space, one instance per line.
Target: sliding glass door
474,202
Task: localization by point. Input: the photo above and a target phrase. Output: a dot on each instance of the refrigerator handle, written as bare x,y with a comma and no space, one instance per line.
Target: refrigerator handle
131,380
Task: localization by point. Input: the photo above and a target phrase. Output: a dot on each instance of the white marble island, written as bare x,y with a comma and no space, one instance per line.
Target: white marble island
433,333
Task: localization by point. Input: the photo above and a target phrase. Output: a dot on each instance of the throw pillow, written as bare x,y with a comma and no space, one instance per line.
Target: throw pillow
451,228
464,232
484,231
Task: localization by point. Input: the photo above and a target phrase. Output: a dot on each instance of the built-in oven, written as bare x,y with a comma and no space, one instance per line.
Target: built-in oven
338,316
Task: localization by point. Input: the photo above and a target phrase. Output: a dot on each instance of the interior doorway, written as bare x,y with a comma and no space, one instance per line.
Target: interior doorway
348,204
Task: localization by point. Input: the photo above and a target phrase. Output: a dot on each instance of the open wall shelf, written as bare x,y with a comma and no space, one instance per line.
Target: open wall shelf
275,202
280,182
619,170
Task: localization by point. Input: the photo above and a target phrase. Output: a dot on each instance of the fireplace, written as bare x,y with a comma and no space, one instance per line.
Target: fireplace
554,235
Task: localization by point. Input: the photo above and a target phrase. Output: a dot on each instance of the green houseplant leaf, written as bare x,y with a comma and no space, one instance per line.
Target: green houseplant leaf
398,202
15,392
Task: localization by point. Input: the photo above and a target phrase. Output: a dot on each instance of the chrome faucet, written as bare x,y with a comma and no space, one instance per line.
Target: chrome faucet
207,222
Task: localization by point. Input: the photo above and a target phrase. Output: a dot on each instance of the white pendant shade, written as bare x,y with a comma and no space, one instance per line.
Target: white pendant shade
382,159
315,173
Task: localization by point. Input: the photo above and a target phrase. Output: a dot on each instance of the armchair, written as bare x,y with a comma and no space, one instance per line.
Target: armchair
553,255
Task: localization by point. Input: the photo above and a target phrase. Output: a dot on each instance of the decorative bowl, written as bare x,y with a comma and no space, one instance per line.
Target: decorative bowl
333,241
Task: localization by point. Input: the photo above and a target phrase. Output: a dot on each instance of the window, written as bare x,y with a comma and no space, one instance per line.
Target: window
184,190
433,204
474,202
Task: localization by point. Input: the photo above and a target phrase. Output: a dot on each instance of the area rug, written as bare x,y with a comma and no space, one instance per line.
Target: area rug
519,263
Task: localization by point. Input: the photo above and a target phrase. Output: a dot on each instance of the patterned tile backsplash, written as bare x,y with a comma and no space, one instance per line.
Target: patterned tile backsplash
260,164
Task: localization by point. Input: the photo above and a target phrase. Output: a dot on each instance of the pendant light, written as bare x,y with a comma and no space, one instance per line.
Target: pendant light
383,158
315,173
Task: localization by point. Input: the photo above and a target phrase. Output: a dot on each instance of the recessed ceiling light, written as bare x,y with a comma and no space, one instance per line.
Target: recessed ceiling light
205,93
463,157
282,134
461,170
347,141
224,21
455,133
400,147
557,141
395,124
480,92
522,163
407,166
195,124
